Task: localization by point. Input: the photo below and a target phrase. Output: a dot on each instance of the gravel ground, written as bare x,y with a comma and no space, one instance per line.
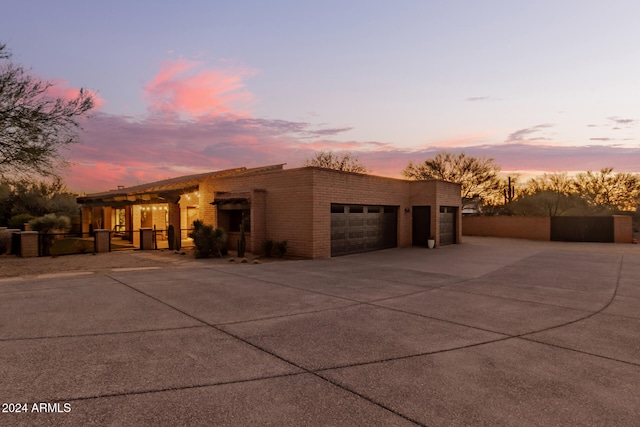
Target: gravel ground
12,266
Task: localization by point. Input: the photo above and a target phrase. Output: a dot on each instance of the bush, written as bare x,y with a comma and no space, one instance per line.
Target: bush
207,240
49,223
71,245
267,247
18,221
281,248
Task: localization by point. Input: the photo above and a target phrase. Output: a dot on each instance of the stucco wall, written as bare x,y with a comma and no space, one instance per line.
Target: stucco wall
519,227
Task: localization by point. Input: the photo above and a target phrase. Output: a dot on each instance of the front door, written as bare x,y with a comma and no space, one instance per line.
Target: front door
421,227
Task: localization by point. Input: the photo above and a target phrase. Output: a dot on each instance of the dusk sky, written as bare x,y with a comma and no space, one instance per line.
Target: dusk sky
195,86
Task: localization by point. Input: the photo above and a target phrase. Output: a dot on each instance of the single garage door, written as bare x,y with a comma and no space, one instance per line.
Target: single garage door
447,225
358,228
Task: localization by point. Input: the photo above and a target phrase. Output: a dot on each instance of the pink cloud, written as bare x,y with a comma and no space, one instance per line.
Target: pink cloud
117,150
197,122
183,86
62,89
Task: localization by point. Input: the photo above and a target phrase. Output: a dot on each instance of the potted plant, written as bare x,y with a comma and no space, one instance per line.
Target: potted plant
431,242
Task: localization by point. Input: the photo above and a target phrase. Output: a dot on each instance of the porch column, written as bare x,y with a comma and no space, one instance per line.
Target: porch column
174,219
102,241
258,220
86,219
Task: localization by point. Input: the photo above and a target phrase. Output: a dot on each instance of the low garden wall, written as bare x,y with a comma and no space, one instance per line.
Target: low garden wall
533,228
518,227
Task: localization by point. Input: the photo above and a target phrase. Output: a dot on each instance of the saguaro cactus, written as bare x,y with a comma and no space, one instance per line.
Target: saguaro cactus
171,236
242,244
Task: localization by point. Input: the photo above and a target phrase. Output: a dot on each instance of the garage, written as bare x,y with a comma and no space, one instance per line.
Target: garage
448,216
360,228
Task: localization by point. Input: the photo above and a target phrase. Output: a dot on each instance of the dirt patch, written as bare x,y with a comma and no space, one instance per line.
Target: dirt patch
12,266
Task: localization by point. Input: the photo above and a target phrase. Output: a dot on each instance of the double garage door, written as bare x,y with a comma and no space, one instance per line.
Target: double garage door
358,228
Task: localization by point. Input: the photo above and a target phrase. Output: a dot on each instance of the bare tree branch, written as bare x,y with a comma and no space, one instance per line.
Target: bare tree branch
34,125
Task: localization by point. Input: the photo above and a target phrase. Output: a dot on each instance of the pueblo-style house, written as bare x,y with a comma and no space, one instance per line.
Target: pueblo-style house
319,212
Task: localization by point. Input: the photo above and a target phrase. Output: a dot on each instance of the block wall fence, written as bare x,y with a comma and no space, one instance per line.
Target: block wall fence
532,228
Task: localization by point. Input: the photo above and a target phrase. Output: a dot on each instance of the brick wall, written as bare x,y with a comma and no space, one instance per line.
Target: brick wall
519,227
101,243
295,204
29,244
281,212
622,229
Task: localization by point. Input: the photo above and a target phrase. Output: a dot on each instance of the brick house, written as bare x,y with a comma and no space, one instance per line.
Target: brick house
319,212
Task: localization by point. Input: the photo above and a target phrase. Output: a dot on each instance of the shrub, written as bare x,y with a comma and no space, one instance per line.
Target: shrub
267,247
281,248
48,224
71,245
18,221
207,240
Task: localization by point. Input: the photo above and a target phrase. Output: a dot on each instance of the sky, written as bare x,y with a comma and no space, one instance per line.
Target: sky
195,86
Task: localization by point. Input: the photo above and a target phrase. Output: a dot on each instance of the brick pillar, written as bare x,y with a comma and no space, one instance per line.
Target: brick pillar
107,223
28,244
128,222
258,220
174,219
102,240
86,219
135,224
146,239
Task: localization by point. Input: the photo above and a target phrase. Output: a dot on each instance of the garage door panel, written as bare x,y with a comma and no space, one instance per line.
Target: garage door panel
447,225
356,228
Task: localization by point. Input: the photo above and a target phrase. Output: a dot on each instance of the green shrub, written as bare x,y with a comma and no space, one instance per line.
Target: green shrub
18,221
281,248
50,223
208,240
267,247
47,225
71,245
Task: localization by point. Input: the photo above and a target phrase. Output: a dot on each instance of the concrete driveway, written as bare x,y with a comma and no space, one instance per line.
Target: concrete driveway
490,332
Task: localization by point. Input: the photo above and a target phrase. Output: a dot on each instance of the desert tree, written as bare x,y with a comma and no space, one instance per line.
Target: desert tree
33,198
617,191
34,125
478,177
557,182
330,160
550,203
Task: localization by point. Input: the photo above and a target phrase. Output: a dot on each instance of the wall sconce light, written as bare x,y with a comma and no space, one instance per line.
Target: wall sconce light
407,210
